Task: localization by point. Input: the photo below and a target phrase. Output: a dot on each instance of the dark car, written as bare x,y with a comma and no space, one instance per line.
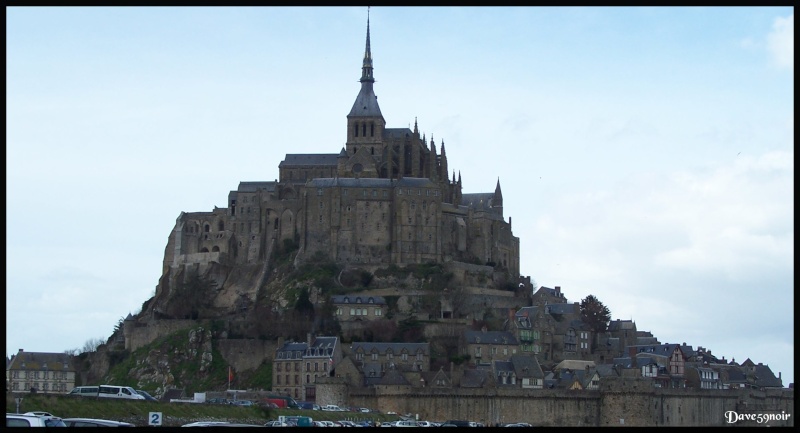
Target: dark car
92,422
218,400
146,395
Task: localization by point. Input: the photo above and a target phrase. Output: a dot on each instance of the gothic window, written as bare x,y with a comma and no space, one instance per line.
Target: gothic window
207,228
364,129
221,226
355,128
372,150
372,132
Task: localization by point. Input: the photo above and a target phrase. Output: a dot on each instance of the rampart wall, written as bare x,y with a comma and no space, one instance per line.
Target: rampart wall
641,405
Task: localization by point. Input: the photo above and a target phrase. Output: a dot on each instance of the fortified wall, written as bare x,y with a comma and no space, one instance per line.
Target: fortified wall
628,402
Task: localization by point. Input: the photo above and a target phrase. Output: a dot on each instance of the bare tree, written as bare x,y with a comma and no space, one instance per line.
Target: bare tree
92,344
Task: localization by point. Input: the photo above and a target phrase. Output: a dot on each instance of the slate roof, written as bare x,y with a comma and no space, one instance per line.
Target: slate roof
309,159
40,361
397,132
490,337
766,378
474,378
396,348
393,377
358,299
655,349
561,308
479,201
322,347
291,350
527,366
605,370
372,369
551,292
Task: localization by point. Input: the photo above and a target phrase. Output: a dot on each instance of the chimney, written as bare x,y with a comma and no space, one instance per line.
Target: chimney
308,339
558,290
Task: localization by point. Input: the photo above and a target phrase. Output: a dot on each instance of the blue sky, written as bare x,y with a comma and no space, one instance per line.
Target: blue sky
645,154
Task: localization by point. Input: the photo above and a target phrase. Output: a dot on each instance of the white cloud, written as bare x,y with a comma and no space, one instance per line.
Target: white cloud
780,42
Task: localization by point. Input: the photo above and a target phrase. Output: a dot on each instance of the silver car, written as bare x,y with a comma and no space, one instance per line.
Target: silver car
24,420
93,422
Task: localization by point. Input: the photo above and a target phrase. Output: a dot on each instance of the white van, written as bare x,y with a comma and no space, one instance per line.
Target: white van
111,391
106,391
85,391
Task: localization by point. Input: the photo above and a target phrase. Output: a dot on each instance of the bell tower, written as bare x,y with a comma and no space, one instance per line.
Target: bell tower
365,123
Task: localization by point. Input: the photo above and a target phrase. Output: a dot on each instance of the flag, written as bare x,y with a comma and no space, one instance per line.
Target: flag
230,374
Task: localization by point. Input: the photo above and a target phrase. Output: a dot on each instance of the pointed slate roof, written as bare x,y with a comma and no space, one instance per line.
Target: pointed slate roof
366,104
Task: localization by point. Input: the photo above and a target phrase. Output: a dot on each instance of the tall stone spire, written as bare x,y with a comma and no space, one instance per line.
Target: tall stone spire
366,104
497,201
366,68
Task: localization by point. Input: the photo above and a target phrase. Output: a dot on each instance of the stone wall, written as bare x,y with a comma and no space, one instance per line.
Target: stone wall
246,354
639,405
143,335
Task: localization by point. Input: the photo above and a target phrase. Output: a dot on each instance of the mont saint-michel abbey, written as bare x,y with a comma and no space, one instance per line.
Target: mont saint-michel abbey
385,198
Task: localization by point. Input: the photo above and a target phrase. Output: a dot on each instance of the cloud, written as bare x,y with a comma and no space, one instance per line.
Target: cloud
780,42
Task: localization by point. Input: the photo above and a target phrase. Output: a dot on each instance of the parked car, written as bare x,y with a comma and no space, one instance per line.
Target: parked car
242,403
23,420
37,413
92,422
275,423
146,395
332,408
219,424
217,400
308,405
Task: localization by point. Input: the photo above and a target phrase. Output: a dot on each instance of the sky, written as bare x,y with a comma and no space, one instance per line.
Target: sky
645,154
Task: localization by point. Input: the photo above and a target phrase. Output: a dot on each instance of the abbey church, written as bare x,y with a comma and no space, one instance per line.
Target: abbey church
385,198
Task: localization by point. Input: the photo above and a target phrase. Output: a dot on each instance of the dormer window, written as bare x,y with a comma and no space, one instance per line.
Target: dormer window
371,301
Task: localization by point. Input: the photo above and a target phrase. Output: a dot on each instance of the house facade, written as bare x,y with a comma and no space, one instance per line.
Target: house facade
40,371
297,365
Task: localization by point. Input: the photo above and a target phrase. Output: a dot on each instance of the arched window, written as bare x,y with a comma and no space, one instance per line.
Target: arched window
207,228
364,129
355,128
221,226
215,249
204,250
371,129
